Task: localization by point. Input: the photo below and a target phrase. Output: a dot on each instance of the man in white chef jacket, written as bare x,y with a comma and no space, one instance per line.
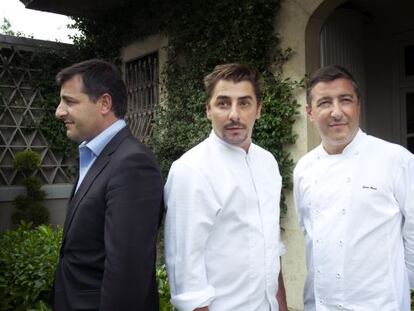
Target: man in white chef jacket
222,234
355,201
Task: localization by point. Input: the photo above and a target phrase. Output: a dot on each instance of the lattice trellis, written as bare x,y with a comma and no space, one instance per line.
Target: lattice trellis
20,110
142,78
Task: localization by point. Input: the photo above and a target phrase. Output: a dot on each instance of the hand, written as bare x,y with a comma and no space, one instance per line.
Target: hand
281,293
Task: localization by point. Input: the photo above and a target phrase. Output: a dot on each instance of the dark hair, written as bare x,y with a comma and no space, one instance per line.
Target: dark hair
98,77
328,74
235,73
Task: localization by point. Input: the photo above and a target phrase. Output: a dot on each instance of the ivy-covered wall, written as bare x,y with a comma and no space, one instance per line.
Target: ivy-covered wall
212,33
201,35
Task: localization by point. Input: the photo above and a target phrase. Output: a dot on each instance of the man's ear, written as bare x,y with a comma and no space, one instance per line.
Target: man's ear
309,112
259,110
208,111
106,103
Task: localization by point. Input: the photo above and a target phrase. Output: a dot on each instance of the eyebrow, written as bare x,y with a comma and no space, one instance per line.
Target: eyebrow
324,98
67,97
346,95
239,98
330,97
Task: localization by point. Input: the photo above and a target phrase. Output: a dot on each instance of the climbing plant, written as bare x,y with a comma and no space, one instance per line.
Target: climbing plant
53,129
210,33
202,34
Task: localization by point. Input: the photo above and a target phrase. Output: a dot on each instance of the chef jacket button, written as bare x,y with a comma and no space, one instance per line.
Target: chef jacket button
338,276
344,211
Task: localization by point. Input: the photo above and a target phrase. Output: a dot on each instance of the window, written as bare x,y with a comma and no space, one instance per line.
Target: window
406,90
409,102
409,60
142,78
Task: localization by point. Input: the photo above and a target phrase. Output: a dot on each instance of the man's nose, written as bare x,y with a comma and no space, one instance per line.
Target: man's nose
234,113
336,111
60,111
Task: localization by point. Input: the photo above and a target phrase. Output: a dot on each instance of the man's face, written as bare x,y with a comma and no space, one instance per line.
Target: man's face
82,116
232,110
335,110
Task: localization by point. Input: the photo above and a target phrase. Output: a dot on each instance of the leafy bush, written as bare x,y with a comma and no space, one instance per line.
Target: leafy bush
29,207
163,289
26,161
28,259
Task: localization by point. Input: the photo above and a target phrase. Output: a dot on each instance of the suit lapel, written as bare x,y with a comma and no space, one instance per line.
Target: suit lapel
100,163
69,208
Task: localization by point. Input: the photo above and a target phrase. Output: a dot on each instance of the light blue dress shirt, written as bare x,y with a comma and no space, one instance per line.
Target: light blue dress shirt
89,151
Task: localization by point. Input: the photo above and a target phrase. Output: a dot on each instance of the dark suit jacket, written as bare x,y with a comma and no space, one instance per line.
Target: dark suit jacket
107,258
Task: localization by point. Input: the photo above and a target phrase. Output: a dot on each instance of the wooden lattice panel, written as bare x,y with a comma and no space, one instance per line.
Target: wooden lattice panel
20,111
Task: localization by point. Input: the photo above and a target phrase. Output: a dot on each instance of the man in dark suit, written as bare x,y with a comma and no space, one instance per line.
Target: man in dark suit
107,258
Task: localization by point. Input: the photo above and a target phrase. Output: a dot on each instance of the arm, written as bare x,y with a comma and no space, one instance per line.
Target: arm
191,212
133,208
405,196
297,198
281,293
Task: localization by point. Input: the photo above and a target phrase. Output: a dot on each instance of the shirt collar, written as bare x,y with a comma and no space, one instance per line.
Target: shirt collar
98,143
352,147
214,137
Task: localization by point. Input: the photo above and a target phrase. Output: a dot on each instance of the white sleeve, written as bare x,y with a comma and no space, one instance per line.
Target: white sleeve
190,216
405,196
282,248
297,198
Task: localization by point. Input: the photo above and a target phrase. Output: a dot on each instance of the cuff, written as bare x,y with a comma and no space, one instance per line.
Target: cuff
282,249
191,300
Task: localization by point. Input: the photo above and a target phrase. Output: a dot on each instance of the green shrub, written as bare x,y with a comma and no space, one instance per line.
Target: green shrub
26,161
29,207
163,289
28,259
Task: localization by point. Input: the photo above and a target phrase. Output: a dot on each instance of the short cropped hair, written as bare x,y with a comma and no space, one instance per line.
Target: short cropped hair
235,73
98,77
328,74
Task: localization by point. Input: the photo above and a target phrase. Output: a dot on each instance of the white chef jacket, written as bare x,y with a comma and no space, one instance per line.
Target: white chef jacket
357,212
222,235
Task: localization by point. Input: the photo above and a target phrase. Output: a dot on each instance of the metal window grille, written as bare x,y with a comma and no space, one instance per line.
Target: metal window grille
20,109
142,80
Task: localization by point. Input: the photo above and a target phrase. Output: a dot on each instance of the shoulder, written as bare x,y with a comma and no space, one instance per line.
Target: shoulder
127,149
306,161
263,154
386,150
196,157
189,171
